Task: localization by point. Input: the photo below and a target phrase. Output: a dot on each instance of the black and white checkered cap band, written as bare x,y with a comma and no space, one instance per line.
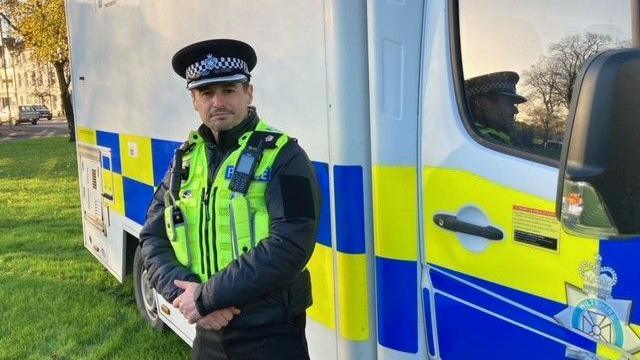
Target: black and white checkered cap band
215,64
491,87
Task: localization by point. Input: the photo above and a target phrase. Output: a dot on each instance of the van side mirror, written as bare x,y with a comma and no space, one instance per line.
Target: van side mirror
599,181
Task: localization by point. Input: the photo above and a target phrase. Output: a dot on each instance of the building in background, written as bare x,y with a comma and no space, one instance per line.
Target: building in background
8,88
24,81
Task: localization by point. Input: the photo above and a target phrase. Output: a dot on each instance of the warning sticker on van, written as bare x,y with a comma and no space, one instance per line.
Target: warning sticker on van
535,227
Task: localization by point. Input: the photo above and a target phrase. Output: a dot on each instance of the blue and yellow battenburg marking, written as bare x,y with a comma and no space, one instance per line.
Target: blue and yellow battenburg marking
85,135
554,290
352,282
506,268
510,257
138,164
321,263
395,208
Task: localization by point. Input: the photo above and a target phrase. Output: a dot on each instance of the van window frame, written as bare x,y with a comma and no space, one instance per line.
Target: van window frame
463,103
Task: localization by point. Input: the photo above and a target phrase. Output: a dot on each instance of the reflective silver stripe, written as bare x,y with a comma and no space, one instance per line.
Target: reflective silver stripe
234,237
252,227
230,78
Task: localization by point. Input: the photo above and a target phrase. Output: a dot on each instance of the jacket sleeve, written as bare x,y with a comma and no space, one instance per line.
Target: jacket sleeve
293,202
159,258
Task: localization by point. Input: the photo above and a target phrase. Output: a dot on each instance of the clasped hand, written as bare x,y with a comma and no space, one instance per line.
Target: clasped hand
187,306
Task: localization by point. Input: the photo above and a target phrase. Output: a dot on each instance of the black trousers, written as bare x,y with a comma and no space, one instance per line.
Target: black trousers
275,341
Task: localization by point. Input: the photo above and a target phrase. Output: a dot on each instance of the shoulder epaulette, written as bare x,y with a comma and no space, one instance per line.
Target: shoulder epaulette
264,139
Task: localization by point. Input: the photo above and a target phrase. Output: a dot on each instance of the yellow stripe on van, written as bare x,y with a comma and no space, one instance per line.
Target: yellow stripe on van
112,184
320,266
137,161
395,211
531,269
353,297
86,136
608,351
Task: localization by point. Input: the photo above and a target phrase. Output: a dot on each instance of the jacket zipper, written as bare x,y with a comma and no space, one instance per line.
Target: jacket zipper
211,214
205,207
252,226
209,243
202,246
234,235
213,222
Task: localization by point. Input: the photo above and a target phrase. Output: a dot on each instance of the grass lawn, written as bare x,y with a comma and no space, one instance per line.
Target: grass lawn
56,300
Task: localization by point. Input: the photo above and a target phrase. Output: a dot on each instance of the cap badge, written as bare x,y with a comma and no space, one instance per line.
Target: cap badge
210,62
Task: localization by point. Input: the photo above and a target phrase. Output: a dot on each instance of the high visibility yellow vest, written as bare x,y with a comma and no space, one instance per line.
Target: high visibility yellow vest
494,134
209,225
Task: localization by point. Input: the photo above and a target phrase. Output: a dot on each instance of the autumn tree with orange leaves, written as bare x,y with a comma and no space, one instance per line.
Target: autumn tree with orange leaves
42,26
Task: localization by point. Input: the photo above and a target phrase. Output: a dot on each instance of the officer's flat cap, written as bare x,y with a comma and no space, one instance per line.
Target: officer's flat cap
497,83
214,61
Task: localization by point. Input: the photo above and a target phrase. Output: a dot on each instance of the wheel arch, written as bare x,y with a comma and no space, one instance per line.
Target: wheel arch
130,246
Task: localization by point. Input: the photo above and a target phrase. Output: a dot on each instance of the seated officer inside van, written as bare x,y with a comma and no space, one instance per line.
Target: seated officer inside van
493,102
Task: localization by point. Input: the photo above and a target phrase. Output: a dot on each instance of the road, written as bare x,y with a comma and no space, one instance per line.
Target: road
44,128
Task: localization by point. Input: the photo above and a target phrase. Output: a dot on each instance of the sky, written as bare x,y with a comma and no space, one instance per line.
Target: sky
529,27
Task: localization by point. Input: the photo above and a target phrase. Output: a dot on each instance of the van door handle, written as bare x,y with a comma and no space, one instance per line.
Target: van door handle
452,223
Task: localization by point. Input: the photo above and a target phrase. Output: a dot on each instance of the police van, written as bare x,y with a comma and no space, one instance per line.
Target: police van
478,160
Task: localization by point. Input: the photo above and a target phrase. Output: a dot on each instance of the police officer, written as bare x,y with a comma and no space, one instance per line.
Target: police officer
493,101
233,224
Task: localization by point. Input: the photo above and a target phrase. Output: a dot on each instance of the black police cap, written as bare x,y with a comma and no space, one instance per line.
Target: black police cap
214,61
497,83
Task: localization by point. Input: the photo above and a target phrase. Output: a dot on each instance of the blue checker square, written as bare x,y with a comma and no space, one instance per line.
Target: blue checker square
112,141
106,164
324,226
349,202
396,282
162,151
137,197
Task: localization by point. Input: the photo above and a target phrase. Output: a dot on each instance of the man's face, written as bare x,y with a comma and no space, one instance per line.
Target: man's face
222,106
500,112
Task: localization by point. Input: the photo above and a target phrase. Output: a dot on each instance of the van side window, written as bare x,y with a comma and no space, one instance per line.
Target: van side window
520,59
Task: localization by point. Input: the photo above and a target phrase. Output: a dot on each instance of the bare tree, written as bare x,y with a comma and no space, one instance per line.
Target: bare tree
544,101
549,82
568,55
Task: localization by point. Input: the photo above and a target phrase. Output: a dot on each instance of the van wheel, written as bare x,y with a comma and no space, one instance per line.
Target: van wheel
144,293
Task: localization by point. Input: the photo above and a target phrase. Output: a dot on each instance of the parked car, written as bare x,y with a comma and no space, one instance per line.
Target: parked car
22,113
43,111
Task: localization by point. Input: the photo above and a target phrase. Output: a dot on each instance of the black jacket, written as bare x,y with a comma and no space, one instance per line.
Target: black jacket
269,283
